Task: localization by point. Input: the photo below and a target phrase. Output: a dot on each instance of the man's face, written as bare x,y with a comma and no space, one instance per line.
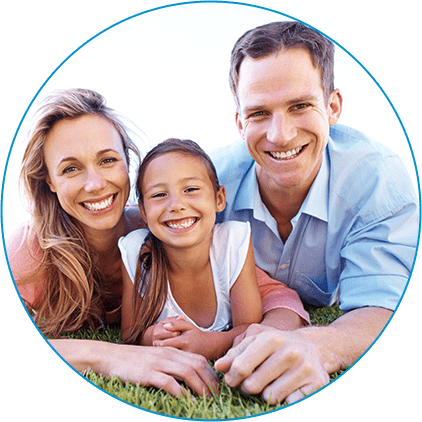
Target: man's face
284,119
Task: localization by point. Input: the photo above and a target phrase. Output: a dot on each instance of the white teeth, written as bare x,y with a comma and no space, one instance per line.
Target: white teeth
285,155
181,225
98,206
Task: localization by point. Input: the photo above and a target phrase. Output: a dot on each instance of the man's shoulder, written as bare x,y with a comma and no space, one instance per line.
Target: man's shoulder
363,171
231,161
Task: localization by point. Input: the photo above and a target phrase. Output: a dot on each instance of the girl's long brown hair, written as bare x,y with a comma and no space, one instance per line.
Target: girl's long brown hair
75,291
151,276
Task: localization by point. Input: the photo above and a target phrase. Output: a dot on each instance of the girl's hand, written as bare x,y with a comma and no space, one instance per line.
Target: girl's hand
165,329
193,340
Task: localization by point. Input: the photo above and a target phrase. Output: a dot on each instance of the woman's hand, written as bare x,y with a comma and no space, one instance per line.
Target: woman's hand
150,366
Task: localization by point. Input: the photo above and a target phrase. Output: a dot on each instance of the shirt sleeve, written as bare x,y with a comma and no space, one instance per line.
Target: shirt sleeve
275,295
129,246
24,261
378,261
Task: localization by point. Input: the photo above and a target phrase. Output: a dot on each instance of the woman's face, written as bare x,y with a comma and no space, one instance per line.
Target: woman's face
87,169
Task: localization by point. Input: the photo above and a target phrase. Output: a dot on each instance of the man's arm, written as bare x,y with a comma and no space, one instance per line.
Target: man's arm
287,365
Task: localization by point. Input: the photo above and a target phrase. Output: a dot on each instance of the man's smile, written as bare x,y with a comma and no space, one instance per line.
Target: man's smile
286,155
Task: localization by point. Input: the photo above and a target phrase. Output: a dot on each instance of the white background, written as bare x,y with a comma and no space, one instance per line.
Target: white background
167,71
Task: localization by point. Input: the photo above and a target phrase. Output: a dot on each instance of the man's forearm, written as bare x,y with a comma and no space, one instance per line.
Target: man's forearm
343,342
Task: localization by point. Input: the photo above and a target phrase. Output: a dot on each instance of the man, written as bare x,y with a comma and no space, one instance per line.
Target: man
333,214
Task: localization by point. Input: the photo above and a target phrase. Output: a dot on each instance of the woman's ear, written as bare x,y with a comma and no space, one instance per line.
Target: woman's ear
50,184
221,199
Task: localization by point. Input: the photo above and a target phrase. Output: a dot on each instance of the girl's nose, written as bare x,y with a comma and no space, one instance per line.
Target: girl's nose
176,203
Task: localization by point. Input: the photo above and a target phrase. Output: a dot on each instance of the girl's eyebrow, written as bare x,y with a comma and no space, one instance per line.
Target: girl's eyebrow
184,180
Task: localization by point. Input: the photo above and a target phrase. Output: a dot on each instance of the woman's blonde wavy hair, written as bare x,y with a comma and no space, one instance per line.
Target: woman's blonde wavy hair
76,292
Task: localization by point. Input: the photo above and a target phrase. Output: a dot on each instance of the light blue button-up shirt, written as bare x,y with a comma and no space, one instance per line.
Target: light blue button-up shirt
354,238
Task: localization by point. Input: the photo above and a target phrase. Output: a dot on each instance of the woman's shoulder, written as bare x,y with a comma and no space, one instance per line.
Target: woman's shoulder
22,251
133,219
24,256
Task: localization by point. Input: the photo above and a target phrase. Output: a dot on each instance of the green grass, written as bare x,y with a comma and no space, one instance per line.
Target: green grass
229,404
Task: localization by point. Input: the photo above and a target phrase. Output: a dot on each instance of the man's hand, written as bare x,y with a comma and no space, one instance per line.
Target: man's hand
282,365
288,365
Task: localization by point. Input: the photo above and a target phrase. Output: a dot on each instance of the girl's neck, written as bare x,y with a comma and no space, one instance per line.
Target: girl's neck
188,261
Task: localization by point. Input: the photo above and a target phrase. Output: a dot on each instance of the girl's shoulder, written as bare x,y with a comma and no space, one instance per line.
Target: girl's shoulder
233,229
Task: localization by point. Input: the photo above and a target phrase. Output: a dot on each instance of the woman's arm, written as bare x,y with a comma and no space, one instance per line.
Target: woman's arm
157,367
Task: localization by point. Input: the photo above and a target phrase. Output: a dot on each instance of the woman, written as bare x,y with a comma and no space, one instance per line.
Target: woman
66,261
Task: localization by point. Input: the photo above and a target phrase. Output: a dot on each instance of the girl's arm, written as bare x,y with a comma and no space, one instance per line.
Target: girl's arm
154,332
246,309
128,317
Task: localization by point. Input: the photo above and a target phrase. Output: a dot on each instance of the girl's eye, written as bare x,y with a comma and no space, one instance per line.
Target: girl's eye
158,195
191,189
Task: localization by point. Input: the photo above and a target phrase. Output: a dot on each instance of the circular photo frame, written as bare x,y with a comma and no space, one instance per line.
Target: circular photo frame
166,69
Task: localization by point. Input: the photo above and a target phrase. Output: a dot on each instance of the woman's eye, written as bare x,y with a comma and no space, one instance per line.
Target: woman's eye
109,160
69,169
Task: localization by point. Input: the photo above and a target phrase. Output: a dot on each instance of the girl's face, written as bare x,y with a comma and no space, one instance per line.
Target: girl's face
179,201
87,169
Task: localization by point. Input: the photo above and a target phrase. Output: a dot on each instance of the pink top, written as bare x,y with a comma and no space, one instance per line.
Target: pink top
24,261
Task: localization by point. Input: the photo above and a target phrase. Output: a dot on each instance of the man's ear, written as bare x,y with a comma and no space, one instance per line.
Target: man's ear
221,199
50,184
335,105
239,124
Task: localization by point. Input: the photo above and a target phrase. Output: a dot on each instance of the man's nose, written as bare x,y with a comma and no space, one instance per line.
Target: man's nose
281,129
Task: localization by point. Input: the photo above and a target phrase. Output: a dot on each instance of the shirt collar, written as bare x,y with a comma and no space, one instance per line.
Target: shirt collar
315,203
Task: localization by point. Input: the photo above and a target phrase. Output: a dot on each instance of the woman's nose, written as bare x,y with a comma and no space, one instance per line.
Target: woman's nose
94,181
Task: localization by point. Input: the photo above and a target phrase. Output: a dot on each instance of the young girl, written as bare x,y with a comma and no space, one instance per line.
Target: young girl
187,283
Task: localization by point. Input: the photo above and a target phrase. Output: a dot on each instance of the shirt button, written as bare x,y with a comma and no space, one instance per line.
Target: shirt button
283,267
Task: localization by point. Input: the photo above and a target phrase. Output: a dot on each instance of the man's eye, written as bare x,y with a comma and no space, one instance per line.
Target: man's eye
257,114
301,106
